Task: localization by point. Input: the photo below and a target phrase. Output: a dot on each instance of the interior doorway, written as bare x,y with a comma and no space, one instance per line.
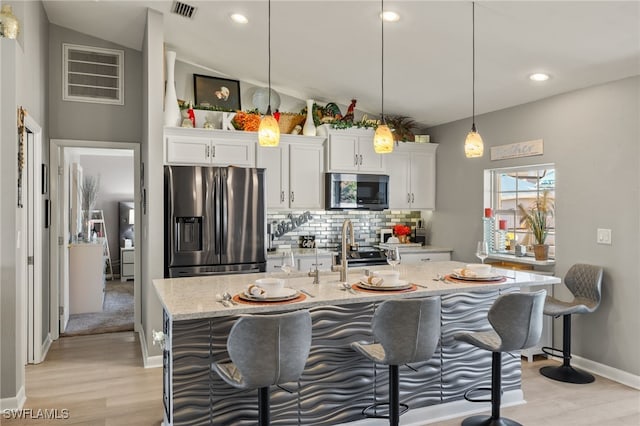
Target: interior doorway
92,240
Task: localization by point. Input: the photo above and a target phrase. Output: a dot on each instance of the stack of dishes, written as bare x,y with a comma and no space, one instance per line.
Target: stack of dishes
268,290
476,272
383,280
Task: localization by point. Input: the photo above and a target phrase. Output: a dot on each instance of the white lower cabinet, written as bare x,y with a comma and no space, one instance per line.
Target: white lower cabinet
303,263
210,147
294,172
414,258
412,176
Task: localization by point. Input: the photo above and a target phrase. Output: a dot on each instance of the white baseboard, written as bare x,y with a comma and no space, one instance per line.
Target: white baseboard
149,361
14,403
45,347
441,412
610,373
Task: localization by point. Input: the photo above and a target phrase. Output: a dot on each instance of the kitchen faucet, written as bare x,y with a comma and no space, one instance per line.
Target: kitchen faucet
347,226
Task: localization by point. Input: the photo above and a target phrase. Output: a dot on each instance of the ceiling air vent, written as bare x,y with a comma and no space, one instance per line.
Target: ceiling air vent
183,9
93,74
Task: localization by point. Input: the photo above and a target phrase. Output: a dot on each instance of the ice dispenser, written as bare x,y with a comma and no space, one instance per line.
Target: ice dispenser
188,234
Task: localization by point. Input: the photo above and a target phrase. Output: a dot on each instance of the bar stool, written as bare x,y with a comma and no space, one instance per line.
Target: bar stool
584,282
408,331
516,319
266,350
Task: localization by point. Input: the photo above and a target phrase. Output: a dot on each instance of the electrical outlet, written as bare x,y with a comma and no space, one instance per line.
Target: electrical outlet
603,236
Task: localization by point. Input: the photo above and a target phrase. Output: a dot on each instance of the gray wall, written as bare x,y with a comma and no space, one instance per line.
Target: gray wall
23,82
89,121
592,137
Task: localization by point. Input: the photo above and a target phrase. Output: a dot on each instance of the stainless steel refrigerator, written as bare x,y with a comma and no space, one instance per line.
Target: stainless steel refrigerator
215,220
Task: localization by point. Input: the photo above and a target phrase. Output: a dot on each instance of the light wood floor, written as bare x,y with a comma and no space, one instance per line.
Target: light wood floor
101,381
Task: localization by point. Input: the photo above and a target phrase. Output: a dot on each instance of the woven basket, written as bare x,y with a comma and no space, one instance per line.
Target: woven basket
288,121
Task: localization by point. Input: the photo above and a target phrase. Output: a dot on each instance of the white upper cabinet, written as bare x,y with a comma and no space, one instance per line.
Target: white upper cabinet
412,176
210,147
294,172
351,150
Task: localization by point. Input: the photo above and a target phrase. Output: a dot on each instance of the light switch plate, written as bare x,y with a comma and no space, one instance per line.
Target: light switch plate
603,236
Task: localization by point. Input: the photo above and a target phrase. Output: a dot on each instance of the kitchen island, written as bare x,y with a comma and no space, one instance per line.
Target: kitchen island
337,382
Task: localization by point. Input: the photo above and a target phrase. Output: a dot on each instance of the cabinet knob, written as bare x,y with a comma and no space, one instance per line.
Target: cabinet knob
412,197
426,259
361,159
282,196
408,198
355,160
206,152
213,151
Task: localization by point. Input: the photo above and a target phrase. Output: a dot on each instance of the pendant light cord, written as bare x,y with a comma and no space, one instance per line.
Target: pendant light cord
382,61
473,66
269,54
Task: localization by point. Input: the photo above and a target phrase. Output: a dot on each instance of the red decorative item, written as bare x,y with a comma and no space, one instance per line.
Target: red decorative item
488,212
502,223
400,230
191,114
276,115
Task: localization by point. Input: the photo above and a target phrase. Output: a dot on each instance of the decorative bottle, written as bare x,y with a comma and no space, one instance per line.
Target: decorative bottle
501,237
488,229
171,109
309,128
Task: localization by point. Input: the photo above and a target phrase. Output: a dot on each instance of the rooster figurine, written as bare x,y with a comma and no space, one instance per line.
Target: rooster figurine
348,117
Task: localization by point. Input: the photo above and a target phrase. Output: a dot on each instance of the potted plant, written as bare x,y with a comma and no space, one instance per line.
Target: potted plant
536,219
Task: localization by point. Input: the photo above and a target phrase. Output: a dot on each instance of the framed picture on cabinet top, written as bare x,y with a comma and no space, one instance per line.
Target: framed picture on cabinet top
216,92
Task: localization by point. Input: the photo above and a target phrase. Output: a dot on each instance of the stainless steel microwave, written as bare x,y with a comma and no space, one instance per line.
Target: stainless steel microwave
356,191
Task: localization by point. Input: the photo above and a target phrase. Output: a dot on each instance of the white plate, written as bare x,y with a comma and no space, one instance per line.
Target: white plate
399,285
277,296
478,277
364,280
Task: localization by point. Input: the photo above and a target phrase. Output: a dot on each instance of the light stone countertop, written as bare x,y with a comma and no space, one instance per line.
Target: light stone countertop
417,249
195,297
300,252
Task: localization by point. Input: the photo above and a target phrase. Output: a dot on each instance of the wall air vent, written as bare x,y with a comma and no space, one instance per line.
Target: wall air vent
92,74
183,9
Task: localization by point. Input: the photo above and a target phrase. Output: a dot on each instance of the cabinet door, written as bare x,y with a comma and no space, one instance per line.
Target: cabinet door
423,181
369,160
305,176
233,153
276,164
188,150
306,264
398,165
343,153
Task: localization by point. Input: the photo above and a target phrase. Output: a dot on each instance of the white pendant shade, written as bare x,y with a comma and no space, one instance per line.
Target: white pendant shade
473,145
383,140
269,131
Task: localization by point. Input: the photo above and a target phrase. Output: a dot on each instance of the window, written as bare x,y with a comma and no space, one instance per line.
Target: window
506,188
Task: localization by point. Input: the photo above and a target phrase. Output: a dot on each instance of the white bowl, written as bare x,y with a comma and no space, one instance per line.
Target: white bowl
479,268
270,285
389,277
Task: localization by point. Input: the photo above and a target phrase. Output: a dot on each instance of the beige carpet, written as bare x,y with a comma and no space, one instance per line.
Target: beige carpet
117,314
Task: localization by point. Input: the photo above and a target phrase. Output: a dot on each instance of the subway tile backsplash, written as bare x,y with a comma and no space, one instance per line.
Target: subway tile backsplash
326,225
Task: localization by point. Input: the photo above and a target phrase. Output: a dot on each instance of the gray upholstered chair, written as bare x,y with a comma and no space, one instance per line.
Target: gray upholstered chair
266,350
407,330
584,282
516,319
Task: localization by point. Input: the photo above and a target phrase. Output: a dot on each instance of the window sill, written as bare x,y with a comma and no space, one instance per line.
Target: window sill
522,259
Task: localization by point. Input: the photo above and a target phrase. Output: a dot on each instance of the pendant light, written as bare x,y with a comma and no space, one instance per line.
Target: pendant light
269,130
383,139
473,145
9,25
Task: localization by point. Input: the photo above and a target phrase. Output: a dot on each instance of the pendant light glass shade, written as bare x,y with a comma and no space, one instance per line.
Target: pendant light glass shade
9,26
383,140
269,130
473,145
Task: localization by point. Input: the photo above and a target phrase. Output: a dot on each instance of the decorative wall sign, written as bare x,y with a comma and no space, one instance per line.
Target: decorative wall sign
516,150
307,241
292,223
21,131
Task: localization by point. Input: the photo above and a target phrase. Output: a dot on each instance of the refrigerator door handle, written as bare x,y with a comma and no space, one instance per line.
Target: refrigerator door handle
216,209
224,210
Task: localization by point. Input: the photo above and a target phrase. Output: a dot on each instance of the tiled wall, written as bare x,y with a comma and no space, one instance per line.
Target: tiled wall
327,225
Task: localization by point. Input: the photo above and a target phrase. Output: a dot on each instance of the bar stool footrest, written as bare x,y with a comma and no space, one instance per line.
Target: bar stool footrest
384,412
472,399
554,352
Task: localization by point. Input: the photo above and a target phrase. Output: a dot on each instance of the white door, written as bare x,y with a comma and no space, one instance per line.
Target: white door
305,176
369,160
275,161
423,177
343,153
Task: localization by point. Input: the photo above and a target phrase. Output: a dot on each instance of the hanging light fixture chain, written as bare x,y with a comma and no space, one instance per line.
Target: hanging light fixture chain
382,60
269,54
473,65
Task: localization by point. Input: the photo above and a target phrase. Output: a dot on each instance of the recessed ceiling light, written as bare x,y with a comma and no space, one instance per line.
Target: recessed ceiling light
239,18
539,76
390,16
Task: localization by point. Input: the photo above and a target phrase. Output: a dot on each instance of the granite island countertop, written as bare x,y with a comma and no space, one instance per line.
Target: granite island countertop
300,252
196,297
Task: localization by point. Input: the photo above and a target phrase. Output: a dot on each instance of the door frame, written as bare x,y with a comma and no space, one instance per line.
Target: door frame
59,211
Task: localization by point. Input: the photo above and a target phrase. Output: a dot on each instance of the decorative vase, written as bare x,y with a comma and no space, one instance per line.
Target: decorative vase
172,114
86,231
309,128
541,251
403,239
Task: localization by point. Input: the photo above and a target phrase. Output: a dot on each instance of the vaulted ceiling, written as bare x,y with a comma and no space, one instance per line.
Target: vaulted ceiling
331,50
